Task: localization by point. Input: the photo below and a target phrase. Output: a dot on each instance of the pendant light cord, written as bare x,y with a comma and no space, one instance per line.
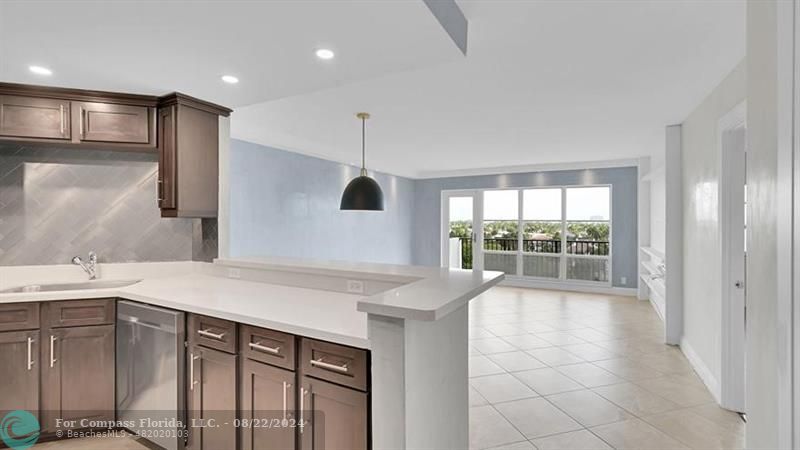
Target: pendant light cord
363,137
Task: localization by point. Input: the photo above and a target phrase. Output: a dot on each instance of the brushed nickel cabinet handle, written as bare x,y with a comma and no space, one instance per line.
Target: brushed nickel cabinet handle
192,359
61,118
30,351
52,350
323,365
209,334
303,393
264,348
80,120
286,387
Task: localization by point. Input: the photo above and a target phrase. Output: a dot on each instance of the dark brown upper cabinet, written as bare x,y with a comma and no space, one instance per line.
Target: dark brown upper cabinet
108,122
188,173
31,117
77,117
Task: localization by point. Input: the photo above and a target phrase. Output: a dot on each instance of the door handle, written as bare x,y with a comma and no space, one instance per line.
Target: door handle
192,359
303,393
30,352
52,350
739,284
209,334
286,387
264,348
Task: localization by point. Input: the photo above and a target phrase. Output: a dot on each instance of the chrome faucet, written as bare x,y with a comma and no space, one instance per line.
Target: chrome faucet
90,268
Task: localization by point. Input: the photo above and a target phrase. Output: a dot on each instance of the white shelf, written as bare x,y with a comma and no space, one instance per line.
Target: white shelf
655,253
656,285
651,267
658,304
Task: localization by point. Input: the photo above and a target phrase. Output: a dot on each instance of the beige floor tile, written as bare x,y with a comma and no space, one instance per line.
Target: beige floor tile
481,366
501,388
590,352
560,338
527,342
487,428
590,375
555,356
590,335
635,399
480,333
492,345
506,330
682,393
589,408
573,440
475,398
696,431
524,445
722,417
634,434
547,381
628,369
537,417
114,443
516,361
666,362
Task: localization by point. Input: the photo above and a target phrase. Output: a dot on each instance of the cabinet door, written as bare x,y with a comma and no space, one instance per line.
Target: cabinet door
33,117
19,371
335,417
109,122
167,155
77,374
267,398
212,399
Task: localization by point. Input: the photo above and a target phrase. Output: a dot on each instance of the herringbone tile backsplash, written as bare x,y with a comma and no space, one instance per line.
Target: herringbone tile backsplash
56,203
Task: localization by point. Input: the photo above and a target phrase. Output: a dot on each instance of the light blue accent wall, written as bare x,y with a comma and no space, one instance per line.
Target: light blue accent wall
427,201
287,204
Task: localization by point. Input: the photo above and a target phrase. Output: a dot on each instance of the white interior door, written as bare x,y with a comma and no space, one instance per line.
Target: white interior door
460,234
733,204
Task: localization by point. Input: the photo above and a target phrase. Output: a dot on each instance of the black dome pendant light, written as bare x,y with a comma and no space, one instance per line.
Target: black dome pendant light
362,193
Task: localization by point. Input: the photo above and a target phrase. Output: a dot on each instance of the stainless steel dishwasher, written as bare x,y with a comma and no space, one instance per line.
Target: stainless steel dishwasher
150,372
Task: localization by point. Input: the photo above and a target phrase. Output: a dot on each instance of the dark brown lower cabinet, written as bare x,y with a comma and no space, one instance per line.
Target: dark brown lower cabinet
212,399
335,417
77,365
267,407
19,371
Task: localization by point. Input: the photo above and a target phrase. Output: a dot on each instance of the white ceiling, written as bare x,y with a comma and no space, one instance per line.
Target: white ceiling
543,82
156,47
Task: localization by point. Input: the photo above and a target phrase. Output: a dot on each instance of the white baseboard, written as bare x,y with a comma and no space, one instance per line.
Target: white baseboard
702,370
567,286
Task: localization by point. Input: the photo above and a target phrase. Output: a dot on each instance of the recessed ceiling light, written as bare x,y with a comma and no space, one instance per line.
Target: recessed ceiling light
230,79
39,70
324,53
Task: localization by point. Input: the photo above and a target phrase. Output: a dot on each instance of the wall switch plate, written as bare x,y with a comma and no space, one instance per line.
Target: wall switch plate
355,286
623,280
234,273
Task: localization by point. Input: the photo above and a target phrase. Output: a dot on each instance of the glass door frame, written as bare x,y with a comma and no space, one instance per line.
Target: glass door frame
477,226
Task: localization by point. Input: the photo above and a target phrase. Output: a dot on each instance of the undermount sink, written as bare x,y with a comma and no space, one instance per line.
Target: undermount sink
97,284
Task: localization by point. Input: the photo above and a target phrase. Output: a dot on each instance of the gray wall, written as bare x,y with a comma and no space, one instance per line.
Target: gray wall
287,204
427,200
58,203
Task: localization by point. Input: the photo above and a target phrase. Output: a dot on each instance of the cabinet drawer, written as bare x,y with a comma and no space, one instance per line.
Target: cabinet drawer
268,346
75,313
212,332
336,363
19,316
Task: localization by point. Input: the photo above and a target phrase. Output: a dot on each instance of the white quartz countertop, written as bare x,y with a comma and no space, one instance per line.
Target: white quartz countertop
301,297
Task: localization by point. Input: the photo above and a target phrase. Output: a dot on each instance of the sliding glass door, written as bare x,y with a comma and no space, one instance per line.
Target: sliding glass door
550,233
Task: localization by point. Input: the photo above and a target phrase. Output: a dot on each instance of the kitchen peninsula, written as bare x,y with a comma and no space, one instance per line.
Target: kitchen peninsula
391,339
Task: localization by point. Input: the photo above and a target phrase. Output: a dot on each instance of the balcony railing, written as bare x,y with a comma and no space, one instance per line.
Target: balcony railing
552,246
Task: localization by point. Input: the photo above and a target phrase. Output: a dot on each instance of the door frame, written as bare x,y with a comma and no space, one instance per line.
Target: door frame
733,344
477,227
